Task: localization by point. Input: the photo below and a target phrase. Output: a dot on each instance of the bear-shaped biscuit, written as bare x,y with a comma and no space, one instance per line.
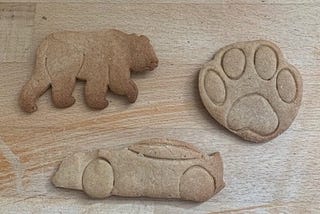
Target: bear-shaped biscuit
104,59
158,168
251,90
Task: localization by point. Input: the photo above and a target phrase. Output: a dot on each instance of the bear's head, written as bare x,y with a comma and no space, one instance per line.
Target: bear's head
143,56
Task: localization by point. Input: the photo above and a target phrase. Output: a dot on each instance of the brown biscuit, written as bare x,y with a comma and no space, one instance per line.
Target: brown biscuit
152,168
251,90
104,59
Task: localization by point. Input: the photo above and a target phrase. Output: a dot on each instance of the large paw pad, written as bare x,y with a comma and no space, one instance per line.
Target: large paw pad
251,90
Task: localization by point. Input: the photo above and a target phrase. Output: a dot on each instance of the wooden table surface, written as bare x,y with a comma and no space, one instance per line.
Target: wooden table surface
279,176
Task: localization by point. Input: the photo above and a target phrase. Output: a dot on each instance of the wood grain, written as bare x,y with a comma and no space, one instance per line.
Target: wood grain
280,176
16,26
176,1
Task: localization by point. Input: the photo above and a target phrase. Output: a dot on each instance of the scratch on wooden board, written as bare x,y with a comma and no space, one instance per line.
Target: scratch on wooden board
16,29
244,209
14,161
253,208
22,200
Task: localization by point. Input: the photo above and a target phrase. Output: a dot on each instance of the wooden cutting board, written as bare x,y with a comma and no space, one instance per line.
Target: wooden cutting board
279,176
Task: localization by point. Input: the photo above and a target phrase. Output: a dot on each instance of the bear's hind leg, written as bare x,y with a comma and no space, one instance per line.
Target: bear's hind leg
62,88
32,90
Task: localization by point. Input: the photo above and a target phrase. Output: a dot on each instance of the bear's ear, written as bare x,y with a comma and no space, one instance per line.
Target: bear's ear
144,38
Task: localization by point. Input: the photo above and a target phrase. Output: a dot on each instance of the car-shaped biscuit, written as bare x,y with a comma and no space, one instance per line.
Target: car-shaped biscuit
151,168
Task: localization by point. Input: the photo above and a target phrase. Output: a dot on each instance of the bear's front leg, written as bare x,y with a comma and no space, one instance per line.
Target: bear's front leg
95,93
121,84
132,91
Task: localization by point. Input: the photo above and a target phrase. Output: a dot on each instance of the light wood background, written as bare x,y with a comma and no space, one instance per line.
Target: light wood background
281,176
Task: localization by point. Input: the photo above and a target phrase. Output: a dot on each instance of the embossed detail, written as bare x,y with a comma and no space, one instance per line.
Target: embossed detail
255,113
165,150
98,179
259,103
193,189
215,87
71,170
126,173
234,63
286,86
266,62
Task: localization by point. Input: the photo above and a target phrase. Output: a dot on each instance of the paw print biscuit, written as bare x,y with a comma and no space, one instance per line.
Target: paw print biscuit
251,90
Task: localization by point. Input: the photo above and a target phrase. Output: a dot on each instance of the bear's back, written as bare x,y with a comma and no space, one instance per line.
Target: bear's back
91,38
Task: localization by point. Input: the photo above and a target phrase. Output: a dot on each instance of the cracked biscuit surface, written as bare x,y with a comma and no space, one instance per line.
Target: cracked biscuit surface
250,89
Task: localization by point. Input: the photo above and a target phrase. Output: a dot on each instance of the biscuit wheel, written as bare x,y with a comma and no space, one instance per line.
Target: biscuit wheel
97,179
196,184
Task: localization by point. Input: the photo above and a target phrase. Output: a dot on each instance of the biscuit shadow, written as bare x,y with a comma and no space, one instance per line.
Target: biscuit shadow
84,199
143,74
173,202
110,96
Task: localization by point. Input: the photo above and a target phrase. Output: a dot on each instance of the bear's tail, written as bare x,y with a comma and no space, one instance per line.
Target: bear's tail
39,82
